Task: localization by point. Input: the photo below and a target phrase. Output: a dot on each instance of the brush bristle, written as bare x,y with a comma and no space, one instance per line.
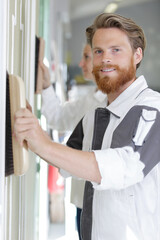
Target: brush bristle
9,167
37,43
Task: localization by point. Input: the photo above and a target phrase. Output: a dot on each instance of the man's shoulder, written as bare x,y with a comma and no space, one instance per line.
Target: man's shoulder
149,98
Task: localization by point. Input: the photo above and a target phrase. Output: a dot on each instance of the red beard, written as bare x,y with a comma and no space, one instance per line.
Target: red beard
112,84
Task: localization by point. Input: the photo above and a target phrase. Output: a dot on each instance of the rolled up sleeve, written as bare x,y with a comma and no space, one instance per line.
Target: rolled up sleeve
119,168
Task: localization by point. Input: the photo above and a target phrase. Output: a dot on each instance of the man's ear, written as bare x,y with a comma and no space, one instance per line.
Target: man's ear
138,55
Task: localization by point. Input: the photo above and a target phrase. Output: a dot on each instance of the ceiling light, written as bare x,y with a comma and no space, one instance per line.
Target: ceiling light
111,8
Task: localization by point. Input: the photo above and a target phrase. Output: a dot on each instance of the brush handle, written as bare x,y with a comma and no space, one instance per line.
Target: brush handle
17,101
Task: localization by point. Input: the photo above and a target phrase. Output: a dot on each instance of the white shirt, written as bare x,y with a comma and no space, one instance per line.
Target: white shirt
64,117
126,204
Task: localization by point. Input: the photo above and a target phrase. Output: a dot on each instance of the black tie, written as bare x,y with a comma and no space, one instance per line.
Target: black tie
102,116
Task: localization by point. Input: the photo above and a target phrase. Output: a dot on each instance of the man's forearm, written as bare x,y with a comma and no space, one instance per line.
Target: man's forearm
79,163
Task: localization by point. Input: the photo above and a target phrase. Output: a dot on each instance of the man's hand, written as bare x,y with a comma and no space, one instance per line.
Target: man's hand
46,75
27,128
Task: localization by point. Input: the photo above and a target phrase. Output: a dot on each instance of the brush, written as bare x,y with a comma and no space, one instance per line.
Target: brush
16,155
39,56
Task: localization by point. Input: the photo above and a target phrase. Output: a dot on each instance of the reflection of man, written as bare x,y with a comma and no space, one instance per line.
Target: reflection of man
64,117
123,166
86,63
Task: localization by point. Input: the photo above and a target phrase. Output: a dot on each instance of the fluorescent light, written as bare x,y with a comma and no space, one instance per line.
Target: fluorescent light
111,8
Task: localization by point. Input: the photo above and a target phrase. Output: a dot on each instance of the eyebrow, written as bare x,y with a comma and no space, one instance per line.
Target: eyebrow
96,48
114,46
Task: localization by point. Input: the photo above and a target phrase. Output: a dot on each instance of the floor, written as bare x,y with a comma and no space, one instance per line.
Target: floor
57,232
66,230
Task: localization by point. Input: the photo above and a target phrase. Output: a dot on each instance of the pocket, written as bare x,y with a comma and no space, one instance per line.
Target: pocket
146,121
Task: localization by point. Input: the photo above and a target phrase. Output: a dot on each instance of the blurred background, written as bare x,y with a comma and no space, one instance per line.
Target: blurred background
37,206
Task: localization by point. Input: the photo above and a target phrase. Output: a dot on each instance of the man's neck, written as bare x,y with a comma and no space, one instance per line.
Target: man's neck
113,95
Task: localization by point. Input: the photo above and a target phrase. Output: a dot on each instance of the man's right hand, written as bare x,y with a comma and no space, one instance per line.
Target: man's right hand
27,127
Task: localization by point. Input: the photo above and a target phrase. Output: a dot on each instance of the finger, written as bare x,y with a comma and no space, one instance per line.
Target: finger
23,112
23,123
24,133
25,120
20,138
18,129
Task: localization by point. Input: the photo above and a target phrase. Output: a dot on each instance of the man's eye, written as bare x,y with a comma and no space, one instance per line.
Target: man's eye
86,56
116,50
98,51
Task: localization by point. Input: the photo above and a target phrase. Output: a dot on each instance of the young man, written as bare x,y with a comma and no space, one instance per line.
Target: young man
120,141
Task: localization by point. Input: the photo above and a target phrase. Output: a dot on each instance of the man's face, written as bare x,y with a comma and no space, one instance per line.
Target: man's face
114,63
86,63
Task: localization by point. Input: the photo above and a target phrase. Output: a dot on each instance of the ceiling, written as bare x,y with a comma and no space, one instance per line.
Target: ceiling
83,8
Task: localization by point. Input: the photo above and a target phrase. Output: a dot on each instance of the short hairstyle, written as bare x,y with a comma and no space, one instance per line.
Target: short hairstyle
134,32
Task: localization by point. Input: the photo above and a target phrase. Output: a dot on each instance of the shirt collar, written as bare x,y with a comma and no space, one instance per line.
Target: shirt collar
127,97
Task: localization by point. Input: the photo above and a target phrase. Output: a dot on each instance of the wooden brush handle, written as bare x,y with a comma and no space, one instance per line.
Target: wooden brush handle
17,101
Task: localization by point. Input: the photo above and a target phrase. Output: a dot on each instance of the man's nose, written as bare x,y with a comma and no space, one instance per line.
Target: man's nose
106,58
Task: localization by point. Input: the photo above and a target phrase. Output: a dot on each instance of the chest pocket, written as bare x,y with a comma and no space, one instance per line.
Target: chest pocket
140,129
146,121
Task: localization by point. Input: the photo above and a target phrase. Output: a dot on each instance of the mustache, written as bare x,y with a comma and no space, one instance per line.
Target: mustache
102,66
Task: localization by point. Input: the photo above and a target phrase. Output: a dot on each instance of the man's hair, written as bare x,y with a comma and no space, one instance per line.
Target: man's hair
134,32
